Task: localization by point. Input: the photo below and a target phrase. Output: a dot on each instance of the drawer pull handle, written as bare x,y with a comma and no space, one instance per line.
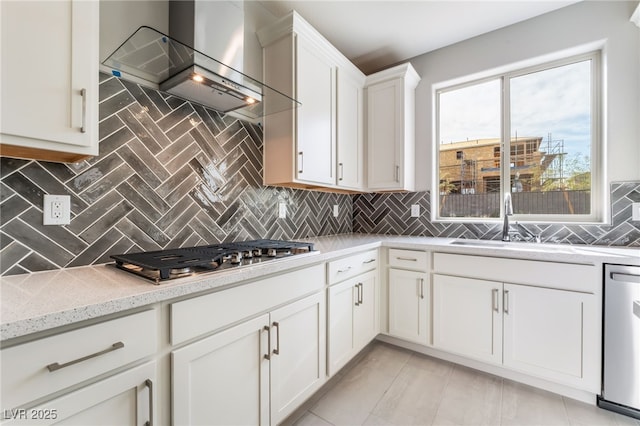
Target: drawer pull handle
369,261
408,259
267,356
276,351
56,366
344,270
421,288
148,383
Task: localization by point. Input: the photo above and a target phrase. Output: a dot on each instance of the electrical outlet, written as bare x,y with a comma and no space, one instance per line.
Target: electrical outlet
282,210
635,211
56,210
415,210
336,210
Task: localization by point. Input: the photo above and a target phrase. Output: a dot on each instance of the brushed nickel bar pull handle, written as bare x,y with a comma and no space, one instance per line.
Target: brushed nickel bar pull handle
505,301
407,259
148,383
369,261
344,270
300,162
341,171
494,301
357,288
83,93
266,328
361,293
397,173
57,366
277,349
421,288
629,278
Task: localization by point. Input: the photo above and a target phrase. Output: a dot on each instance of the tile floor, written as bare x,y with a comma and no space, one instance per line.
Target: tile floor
387,385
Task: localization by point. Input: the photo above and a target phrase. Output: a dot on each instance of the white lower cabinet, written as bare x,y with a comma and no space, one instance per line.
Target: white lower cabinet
529,327
352,318
125,399
409,307
544,331
76,377
256,372
467,319
223,379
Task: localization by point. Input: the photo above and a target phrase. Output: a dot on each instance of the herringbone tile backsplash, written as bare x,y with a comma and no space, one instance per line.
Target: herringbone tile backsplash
390,214
174,174
169,174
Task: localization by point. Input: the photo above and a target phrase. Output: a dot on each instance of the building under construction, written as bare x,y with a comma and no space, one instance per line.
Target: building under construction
473,166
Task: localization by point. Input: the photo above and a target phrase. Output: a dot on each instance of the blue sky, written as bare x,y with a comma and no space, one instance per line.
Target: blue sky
555,101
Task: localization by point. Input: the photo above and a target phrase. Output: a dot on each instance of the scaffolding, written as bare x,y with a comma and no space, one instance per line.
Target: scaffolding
552,162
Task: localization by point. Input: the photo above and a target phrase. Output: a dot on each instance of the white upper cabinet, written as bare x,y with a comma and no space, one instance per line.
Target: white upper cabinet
319,143
49,79
391,129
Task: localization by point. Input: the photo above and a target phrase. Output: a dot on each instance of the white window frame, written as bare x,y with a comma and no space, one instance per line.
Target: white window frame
598,142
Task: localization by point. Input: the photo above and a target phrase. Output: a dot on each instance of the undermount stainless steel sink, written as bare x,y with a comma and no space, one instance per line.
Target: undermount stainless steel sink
478,243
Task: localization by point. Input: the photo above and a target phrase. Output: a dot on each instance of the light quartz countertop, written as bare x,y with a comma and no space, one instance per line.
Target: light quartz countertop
42,301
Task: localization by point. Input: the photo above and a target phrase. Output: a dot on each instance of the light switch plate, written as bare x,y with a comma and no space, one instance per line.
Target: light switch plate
635,211
415,210
56,210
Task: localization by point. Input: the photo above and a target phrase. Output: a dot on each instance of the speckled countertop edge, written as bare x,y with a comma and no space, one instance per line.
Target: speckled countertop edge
37,302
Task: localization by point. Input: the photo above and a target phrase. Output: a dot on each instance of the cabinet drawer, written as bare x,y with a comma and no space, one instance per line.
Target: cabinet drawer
409,259
351,266
36,369
200,315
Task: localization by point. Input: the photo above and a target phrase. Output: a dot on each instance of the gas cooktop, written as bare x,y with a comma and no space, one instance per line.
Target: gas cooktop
169,264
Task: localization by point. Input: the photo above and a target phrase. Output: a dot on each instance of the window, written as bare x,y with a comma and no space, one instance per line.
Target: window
549,160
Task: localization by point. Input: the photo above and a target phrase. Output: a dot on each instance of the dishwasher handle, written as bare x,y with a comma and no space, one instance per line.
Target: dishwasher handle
627,278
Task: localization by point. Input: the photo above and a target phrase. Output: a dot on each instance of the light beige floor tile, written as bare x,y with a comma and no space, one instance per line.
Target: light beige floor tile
415,394
310,419
470,398
584,414
374,420
526,405
356,394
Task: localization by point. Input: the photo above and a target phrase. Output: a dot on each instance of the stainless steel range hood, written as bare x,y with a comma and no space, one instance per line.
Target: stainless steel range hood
187,63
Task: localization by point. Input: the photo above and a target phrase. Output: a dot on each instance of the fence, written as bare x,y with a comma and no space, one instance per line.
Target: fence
488,204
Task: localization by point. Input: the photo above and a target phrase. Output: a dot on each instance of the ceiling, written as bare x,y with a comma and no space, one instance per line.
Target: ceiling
377,34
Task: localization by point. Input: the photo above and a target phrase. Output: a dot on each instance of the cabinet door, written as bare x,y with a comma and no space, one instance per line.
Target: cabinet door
223,379
385,136
124,399
467,318
364,312
340,334
409,294
544,332
50,75
349,130
298,354
315,124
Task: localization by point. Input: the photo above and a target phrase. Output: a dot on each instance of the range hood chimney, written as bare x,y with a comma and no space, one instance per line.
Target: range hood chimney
201,60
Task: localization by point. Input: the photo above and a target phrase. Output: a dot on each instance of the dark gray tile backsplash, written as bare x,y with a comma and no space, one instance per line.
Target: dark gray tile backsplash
390,214
169,174
172,174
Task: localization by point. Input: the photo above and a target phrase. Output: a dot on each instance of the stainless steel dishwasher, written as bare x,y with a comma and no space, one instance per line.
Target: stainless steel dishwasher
621,328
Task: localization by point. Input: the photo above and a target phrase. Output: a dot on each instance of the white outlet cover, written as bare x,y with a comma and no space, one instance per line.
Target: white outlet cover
336,210
282,210
56,210
415,210
635,211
